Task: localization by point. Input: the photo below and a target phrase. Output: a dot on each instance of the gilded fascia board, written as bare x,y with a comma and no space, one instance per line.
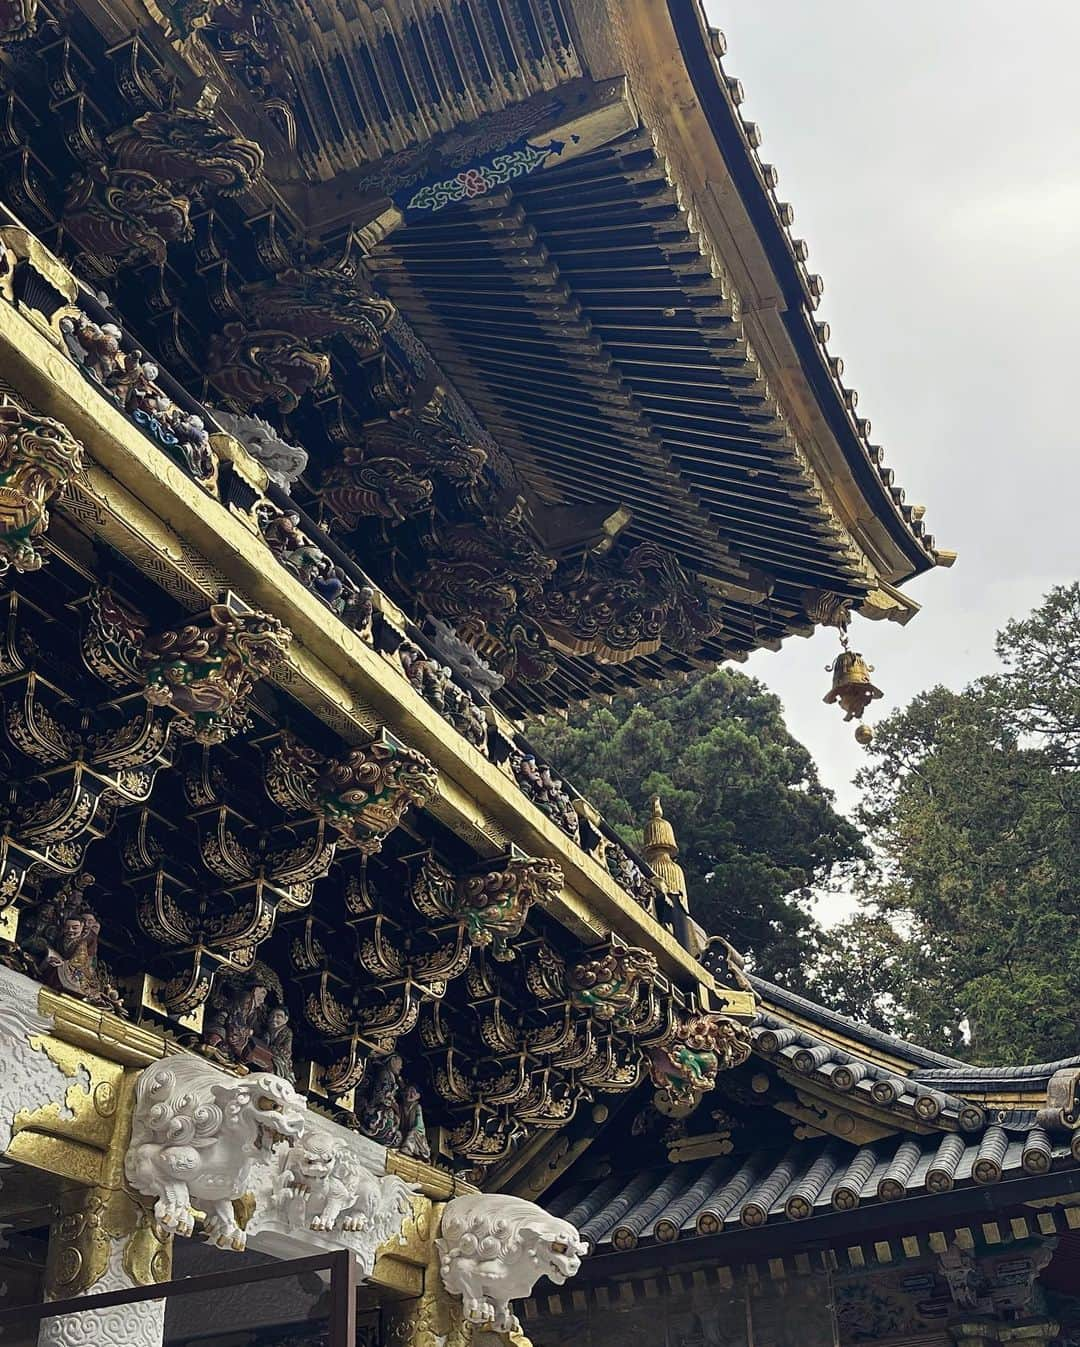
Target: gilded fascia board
329,668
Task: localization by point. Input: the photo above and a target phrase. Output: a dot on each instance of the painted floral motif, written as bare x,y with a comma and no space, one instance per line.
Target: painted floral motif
516,161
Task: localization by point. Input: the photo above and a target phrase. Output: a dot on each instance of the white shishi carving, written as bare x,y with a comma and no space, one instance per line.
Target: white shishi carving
198,1134
323,1189
204,1139
495,1248
29,1079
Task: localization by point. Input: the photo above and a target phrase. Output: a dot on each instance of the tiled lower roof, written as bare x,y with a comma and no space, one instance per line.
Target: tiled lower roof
811,1178
932,1085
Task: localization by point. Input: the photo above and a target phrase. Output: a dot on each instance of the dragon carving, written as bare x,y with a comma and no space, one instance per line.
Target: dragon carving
608,983
38,457
254,365
494,905
685,1067
364,793
136,197
205,673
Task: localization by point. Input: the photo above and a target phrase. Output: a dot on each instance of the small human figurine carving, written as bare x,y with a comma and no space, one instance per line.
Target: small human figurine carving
436,684
281,530
241,1029
528,776
65,943
380,1117
466,716
233,1017
96,348
194,438
392,1114
358,608
132,381
279,1041
411,658
415,1141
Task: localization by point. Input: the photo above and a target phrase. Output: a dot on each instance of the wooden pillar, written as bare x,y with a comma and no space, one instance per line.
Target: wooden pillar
103,1239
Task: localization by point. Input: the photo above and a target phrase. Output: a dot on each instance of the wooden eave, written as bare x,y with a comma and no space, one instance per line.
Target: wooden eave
578,314
690,105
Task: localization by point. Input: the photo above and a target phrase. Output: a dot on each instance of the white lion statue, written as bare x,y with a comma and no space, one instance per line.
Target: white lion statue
494,1249
196,1136
329,1188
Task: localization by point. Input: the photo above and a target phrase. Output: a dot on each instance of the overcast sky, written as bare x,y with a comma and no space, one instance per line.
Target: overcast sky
931,152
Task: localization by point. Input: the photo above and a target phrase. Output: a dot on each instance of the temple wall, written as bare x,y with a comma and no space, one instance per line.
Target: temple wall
996,1298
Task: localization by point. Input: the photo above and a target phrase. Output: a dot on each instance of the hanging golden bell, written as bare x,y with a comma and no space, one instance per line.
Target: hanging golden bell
851,685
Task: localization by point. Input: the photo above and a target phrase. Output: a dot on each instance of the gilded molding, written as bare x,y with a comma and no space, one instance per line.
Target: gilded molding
32,1082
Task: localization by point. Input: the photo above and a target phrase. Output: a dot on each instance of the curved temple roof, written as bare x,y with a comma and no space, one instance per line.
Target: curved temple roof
596,284
880,1120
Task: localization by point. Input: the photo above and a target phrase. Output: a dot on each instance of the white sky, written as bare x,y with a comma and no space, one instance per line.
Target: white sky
931,152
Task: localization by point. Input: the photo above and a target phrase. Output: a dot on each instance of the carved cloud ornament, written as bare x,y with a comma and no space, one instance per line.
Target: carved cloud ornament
495,1248
29,1079
202,1139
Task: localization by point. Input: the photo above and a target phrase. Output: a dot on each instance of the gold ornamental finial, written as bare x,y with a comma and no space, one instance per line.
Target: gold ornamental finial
660,849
